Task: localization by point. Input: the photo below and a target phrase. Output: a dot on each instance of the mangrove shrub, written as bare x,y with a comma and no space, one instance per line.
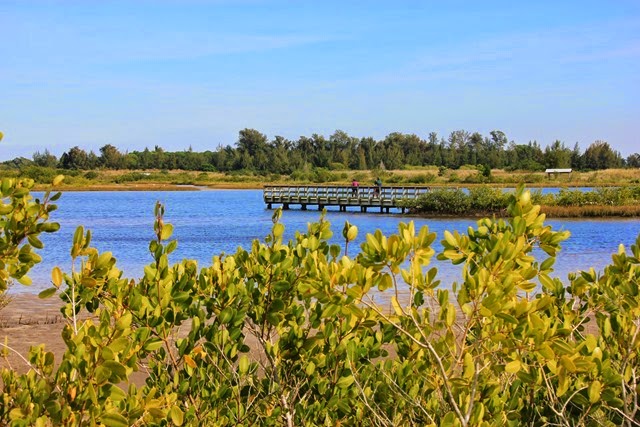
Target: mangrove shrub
300,333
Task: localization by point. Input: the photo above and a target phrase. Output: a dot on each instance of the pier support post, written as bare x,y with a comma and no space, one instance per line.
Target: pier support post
304,207
268,205
285,206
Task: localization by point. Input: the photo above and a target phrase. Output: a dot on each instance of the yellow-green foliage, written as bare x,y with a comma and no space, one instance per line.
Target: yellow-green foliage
22,219
296,333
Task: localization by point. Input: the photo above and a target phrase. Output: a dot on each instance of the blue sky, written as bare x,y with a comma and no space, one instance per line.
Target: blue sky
193,73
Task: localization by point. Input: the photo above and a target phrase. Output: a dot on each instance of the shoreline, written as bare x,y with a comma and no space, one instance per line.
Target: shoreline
159,186
150,187
552,212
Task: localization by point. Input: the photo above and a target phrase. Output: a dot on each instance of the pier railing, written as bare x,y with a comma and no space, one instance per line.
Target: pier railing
342,196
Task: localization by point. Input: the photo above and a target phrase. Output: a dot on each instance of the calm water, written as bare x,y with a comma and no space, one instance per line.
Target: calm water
207,223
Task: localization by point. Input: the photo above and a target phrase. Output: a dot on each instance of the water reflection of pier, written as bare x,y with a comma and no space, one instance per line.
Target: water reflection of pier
364,197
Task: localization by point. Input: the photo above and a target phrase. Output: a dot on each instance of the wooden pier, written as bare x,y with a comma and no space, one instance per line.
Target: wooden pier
364,197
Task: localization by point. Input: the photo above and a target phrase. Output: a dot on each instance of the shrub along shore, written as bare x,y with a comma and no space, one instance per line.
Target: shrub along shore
482,201
484,352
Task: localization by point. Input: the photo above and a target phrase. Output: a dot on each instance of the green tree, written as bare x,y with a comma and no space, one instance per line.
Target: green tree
75,158
576,157
633,161
111,158
600,155
321,150
279,152
557,156
253,148
131,161
45,159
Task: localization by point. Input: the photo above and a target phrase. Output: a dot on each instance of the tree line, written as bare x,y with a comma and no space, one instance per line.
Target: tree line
253,151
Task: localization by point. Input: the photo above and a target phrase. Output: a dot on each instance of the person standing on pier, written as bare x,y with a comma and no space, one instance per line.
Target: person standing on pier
354,187
378,184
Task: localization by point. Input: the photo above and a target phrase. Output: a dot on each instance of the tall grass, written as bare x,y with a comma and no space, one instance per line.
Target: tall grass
591,211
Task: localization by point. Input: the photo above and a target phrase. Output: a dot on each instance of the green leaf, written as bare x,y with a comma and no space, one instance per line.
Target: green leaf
34,241
345,382
330,310
171,246
567,362
278,230
373,243
53,407
546,352
344,407
547,263
50,227
513,367
450,316
450,420
89,282
104,259
177,416
116,368
20,192
282,286
119,344
116,394
243,365
153,344
507,318
449,239
25,280
547,282
16,414
77,236
167,231
469,367
385,282
352,233
226,315
56,276
47,293
124,321
114,420
396,306
594,391
310,369
5,209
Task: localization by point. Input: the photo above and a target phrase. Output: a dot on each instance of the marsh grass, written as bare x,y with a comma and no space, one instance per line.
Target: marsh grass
432,176
592,211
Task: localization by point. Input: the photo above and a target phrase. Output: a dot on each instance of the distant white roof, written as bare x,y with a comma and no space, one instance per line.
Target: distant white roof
558,170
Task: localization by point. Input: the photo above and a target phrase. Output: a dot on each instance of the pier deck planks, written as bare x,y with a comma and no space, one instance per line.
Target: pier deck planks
363,197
